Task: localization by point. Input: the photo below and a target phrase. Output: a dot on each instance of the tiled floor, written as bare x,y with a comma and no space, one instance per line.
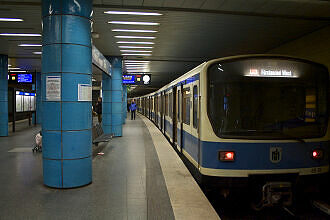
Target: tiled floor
138,177
127,181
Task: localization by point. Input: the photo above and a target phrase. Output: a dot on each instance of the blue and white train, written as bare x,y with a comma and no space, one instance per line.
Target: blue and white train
257,121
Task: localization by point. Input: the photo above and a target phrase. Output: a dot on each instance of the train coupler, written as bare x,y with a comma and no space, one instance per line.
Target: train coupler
275,193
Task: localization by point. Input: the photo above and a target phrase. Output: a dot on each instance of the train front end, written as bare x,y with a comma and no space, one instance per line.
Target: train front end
265,125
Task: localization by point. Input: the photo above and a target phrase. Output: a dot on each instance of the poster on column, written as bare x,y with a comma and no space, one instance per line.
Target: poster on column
53,88
84,92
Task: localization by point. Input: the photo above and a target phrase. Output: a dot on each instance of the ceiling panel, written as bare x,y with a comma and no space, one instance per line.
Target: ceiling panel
173,3
212,4
187,35
158,3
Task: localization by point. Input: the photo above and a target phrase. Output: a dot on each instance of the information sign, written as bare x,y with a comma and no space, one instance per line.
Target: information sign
137,79
84,92
53,88
24,78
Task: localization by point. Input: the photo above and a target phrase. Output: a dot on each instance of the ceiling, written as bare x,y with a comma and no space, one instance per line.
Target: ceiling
190,31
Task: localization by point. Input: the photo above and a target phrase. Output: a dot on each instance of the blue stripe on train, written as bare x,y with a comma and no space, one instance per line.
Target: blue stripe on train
257,155
251,156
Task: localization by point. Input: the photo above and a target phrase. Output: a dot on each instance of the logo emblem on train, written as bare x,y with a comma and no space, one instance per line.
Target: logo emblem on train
275,154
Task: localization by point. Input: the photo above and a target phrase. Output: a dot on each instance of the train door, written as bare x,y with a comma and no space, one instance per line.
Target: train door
195,137
179,118
174,116
186,121
159,111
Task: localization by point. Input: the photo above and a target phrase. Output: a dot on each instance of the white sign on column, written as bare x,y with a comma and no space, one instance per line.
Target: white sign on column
85,92
53,88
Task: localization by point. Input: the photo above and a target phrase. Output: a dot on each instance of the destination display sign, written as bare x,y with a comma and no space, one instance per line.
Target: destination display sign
271,73
24,78
137,79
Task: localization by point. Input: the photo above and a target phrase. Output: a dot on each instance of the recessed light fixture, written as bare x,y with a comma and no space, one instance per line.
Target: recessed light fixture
135,37
38,53
14,68
18,71
134,42
131,13
136,54
30,45
137,31
133,23
20,35
135,64
11,19
135,47
142,61
137,51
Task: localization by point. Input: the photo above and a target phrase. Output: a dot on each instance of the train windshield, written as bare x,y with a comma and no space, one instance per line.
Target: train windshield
268,98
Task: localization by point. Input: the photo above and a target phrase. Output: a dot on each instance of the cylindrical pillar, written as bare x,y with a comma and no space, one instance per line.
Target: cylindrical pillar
38,97
117,91
106,104
3,95
125,102
123,105
66,93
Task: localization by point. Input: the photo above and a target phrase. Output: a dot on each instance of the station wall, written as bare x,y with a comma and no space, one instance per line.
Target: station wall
314,46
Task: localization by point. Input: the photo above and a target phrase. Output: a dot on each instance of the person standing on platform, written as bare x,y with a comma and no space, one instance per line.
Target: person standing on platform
133,109
98,109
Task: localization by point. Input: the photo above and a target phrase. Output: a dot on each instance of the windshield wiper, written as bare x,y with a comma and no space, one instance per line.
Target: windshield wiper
288,136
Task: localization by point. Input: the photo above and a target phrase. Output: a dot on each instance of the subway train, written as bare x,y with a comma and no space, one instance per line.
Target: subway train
256,123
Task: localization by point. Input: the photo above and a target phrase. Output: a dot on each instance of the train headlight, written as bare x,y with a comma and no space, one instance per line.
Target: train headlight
317,154
227,156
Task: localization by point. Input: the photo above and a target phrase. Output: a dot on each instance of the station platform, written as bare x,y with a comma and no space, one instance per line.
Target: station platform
140,176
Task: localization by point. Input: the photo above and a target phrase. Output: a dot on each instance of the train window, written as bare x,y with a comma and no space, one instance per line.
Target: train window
166,104
195,106
186,106
179,106
289,107
170,105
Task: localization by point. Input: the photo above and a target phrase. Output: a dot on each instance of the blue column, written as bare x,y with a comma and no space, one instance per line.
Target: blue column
117,91
38,97
106,104
3,95
66,120
125,102
123,106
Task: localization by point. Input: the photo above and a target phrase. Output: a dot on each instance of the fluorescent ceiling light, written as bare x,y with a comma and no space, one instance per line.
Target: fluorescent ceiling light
135,37
137,61
30,45
137,51
135,47
133,22
14,68
37,52
18,71
131,13
136,65
137,31
11,19
20,35
136,54
9,65
134,42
